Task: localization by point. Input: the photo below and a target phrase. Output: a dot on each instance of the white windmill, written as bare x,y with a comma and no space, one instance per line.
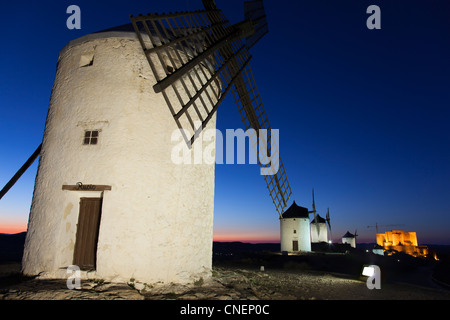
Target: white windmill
108,196
350,239
319,228
295,232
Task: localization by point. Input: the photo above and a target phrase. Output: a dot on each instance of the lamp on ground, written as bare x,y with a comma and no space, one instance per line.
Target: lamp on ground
372,275
368,271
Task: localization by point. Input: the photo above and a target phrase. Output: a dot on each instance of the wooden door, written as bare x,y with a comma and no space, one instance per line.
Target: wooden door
88,227
294,245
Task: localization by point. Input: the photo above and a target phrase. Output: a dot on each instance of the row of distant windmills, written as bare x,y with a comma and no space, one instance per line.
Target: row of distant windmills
298,232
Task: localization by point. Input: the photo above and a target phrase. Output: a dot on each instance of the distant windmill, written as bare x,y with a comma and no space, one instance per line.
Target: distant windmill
350,239
319,225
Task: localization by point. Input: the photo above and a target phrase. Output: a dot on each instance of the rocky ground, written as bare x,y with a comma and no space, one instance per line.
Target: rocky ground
237,276
227,283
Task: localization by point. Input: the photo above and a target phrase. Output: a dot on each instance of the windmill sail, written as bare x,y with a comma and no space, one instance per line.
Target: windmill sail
329,223
254,11
21,171
197,74
328,219
316,222
204,57
253,115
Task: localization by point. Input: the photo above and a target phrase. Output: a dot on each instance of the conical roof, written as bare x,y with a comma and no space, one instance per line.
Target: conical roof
319,220
296,211
348,235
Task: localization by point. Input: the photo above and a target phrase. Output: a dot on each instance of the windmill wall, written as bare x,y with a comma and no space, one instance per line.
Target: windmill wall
350,241
295,230
156,220
320,235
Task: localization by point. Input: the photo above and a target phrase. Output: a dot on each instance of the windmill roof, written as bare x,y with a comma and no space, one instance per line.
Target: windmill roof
319,220
296,211
348,235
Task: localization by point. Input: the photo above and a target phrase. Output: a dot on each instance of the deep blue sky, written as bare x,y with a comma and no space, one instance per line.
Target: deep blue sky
363,114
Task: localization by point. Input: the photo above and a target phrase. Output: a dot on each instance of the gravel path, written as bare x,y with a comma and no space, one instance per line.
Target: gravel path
227,284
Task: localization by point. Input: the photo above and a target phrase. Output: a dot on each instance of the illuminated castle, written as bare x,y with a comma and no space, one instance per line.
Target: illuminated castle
402,241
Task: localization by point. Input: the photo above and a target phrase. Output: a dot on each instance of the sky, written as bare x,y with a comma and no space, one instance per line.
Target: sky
363,115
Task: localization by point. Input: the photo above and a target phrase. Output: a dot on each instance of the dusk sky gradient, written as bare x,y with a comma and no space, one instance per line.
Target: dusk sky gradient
364,115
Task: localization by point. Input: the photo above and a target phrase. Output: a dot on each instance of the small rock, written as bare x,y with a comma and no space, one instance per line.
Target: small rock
139,286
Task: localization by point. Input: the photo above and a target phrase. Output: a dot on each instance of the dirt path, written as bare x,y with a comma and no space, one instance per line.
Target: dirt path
226,284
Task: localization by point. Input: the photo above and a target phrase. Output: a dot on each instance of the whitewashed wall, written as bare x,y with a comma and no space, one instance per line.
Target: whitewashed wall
157,221
350,241
320,235
302,234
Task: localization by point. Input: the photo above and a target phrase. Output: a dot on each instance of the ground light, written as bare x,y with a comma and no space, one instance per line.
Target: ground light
372,275
368,271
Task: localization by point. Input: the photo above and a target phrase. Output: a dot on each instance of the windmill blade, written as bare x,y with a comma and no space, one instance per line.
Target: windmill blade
328,219
21,171
315,216
253,116
314,212
194,60
317,225
315,221
254,11
197,58
313,206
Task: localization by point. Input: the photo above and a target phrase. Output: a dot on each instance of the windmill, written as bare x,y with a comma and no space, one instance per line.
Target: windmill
350,238
108,197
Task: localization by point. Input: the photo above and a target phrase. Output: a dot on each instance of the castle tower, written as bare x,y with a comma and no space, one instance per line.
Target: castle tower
295,229
108,196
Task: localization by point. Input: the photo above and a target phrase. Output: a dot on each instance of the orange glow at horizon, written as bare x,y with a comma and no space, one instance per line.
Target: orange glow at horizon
13,228
245,237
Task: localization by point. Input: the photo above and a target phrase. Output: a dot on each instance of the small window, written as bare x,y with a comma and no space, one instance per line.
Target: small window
295,231
90,137
86,60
